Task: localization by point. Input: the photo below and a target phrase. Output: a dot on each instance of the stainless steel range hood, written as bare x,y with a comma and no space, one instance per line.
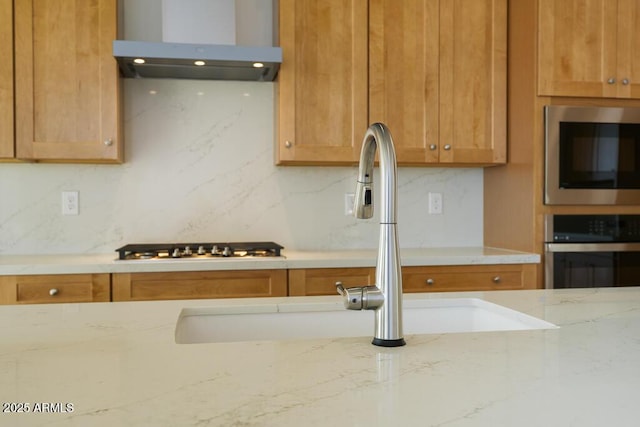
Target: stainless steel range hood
197,61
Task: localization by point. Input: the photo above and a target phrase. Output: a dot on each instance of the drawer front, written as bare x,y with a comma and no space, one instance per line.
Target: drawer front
322,281
62,288
465,278
199,285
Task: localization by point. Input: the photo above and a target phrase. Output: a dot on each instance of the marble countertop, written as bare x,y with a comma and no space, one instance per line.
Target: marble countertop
116,364
107,263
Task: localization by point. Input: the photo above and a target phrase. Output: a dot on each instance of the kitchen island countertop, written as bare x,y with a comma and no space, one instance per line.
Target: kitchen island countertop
116,364
107,263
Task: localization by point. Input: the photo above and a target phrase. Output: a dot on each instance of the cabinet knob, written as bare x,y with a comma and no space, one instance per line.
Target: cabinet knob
447,147
53,291
288,144
430,281
108,142
497,279
432,147
625,81
611,80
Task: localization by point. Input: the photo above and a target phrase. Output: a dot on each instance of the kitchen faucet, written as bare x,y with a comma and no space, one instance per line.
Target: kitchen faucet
385,297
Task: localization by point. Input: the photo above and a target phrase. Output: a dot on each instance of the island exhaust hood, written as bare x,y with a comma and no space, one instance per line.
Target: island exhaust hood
197,61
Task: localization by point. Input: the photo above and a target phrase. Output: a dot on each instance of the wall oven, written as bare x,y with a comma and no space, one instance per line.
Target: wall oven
589,251
592,155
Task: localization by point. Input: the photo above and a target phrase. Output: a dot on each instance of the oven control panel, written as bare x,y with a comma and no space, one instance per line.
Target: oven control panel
592,228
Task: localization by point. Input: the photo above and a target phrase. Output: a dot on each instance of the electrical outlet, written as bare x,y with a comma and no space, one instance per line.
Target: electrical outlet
349,199
70,203
435,204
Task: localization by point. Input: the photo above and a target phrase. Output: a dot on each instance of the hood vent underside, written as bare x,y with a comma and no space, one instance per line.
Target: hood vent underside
197,61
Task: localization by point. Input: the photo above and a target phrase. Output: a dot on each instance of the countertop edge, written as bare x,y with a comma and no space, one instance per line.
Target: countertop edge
107,263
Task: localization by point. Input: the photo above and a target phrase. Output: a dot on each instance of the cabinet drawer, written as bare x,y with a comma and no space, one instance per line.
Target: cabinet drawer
199,285
468,278
55,288
322,281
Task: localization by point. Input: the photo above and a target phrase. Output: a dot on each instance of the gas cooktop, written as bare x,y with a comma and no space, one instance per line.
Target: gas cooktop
145,251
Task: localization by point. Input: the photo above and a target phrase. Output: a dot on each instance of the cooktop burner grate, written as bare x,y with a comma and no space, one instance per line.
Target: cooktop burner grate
140,251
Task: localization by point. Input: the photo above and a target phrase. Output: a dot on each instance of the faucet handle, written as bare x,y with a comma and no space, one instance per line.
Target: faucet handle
361,297
352,296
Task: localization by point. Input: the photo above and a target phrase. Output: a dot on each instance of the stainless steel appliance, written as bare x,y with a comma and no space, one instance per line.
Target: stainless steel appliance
146,251
592,155
588,251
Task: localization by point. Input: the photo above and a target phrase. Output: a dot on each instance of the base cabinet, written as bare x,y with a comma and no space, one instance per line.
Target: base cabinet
308,282
322,281
199,285
58,288
75,288
468,278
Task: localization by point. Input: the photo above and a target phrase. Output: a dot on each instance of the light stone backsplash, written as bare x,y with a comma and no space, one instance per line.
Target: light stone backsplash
199,166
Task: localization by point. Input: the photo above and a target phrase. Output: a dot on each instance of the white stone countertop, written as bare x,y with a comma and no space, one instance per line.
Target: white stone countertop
116,364
107,263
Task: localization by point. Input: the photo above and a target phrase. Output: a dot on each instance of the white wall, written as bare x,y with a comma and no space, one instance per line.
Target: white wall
199,166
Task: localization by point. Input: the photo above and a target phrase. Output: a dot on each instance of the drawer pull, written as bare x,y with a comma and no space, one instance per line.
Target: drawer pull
430,282
53,291
497,279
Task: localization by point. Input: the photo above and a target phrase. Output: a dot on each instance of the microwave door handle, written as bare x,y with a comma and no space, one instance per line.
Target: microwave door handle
592,247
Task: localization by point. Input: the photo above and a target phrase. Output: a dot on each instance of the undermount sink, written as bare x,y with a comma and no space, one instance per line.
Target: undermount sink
292,321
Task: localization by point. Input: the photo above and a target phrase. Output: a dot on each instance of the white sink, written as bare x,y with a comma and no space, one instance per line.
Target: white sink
292,321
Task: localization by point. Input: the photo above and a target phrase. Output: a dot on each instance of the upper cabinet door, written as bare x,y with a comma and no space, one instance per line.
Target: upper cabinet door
589,48
437,73
473,81
404,75
6,79
322,94
628,49
67,92
436,77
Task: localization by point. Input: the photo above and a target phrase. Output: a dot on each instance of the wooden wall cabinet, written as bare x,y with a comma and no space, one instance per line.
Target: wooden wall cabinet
6,80
199,285
67,96
322,82
307,282
436,76
589,48
58,288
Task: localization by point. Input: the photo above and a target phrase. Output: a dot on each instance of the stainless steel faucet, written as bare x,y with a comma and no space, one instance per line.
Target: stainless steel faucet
385,297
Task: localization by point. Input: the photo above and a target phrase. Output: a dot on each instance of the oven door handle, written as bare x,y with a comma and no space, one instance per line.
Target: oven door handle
592,247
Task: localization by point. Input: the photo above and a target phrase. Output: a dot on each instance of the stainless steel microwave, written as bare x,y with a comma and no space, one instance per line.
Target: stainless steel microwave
592,155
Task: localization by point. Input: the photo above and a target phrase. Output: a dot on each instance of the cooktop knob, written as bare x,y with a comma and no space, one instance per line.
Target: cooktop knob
176,253
187,251
201,250
226,251
215,250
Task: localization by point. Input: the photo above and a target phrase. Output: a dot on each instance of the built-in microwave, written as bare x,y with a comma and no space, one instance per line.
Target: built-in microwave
592,155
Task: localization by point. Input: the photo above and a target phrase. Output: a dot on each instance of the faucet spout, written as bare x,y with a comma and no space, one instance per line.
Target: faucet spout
388,287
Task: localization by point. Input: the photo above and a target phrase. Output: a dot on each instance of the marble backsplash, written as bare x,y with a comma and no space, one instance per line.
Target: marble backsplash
199,166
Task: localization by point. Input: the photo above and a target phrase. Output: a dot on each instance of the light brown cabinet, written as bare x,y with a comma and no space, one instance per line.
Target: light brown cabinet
434,71
6,79
418,279
322,82
468,278
59,288
437,78
199,285
67,98
322,281
589,48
